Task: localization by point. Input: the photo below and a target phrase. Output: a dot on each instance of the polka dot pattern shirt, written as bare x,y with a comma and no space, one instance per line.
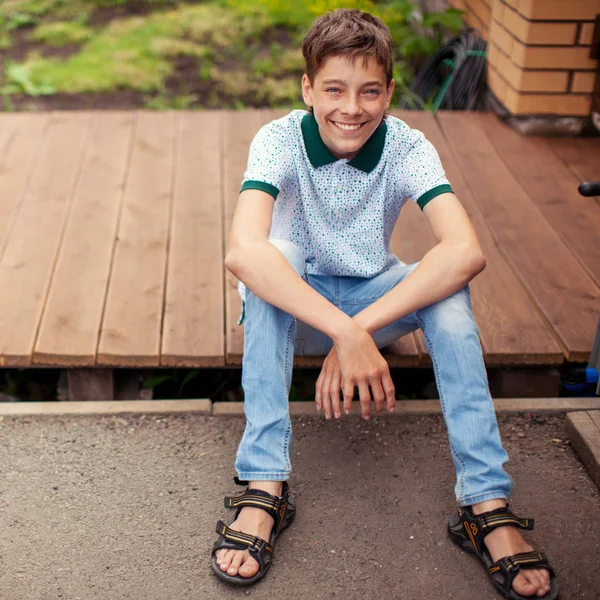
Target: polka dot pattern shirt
340,213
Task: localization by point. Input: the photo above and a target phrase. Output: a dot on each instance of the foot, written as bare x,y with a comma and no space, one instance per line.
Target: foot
253,521
506,541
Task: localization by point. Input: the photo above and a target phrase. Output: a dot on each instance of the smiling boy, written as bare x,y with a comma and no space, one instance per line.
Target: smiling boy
310,241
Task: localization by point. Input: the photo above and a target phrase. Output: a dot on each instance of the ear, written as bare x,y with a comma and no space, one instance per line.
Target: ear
389,92
307,90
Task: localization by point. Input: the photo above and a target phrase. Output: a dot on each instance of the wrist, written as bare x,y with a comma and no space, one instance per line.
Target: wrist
347,329
363,321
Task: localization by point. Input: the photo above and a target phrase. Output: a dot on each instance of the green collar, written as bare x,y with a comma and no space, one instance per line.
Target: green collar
319,155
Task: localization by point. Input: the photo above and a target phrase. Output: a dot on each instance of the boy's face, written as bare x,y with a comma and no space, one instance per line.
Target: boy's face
349,99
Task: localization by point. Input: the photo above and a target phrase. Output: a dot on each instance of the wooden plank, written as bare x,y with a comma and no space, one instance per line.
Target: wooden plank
130,334
511,329
28,260
562,289
582,156
239,128
553,188
193,330
71,322
584,434
21,137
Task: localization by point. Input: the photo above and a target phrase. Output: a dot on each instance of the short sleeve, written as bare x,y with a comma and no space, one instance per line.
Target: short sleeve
423,175
270,160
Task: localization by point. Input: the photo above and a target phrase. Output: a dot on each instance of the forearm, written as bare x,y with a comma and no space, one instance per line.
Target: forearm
264,270
442,272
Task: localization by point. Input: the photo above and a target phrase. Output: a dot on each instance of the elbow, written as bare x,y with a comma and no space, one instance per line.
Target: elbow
232,260
471,260
477,261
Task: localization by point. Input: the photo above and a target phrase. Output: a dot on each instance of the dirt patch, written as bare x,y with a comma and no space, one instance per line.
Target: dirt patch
22,46
103,15
119,100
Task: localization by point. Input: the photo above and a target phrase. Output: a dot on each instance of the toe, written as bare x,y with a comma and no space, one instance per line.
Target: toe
249,568
540,579
523,586
226,560
235,564
544,586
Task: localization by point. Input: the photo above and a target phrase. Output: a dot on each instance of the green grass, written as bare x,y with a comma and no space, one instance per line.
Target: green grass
62,33
136,53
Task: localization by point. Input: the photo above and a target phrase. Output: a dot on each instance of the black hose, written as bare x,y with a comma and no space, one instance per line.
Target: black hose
455,77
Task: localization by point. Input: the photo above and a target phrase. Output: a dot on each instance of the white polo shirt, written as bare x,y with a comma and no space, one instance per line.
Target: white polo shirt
340,213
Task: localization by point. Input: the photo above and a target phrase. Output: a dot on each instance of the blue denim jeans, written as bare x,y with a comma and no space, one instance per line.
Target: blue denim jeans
272,337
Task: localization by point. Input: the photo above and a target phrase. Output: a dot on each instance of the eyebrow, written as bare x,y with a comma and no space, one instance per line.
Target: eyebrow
342,82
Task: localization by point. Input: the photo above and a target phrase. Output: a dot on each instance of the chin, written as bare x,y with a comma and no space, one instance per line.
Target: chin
349,153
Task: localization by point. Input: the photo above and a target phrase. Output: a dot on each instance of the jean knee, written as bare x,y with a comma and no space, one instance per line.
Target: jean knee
453,314
292,254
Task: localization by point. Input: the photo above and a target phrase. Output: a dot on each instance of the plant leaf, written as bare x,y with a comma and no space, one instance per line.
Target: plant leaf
155,380
188,377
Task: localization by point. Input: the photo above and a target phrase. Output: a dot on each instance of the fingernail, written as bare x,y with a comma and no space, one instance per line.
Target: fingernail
367,417
347,411
337,415
392,408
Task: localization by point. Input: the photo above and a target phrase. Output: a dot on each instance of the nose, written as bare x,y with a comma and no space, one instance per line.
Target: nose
351,107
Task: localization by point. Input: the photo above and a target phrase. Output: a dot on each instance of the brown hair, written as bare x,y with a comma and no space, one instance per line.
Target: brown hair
351,33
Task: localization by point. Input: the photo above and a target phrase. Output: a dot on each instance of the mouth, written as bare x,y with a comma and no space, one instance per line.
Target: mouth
348,126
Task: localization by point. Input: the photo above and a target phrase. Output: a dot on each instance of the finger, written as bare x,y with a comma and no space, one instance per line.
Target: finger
365,399
325,397
378,395
319,390
389,390
334,394
348,390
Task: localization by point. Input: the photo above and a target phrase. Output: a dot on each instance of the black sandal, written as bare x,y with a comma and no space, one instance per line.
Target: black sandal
468,531
283,511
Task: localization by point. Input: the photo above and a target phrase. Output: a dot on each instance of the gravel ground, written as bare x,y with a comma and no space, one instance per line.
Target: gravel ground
125,508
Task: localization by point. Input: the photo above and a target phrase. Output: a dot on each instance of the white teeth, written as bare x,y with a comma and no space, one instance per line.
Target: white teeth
348,126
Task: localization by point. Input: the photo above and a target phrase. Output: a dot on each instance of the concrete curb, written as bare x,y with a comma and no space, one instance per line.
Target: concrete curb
432,407
204,406
108,407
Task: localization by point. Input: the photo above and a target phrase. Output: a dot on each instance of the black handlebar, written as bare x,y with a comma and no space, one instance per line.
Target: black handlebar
590,188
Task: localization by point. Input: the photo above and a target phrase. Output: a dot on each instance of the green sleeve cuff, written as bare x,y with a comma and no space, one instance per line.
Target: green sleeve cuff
431,194
262,186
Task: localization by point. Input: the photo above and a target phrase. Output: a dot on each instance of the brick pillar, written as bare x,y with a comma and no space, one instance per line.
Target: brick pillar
539,53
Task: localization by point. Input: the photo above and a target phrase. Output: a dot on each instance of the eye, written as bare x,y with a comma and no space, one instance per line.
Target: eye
332,90
373,92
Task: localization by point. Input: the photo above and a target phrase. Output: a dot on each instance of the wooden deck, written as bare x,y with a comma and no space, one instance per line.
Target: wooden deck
113,228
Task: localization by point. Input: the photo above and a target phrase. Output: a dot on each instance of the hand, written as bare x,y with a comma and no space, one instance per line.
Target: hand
355,361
